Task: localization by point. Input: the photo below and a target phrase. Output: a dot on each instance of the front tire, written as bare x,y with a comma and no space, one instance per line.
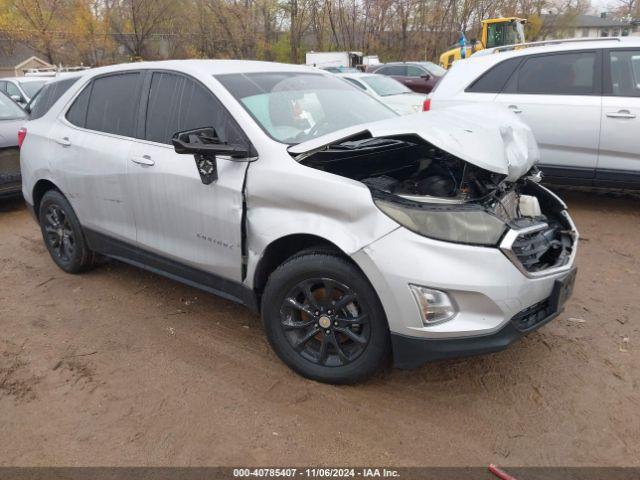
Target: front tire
324,320
62,234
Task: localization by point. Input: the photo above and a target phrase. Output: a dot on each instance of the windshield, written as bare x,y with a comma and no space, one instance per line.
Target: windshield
31,88
385,86
8,109
294,107
507,33
434,69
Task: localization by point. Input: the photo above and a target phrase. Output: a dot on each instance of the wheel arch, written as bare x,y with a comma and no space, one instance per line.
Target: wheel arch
41,187
284,248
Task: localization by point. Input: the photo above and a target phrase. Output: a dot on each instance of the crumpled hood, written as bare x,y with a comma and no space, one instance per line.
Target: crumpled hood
488,136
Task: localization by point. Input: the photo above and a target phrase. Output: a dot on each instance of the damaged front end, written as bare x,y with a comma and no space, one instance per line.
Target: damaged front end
442,196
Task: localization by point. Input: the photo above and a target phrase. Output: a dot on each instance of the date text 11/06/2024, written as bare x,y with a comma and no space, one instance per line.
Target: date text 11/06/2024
315,472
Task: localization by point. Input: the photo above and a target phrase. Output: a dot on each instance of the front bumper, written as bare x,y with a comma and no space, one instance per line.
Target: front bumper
411,352
489,290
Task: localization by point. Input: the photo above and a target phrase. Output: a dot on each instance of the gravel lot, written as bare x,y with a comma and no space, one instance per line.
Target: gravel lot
122,367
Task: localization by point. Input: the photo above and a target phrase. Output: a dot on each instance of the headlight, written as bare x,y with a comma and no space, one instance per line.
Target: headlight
451,223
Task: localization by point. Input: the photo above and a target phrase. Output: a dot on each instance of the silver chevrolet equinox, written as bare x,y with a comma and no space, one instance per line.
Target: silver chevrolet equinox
357,234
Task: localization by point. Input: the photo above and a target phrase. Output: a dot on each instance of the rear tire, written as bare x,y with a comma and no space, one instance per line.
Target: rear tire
62,234
324,320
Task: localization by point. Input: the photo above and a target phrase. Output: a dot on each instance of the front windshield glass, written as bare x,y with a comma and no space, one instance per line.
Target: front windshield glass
294,107
435,70
31,88
8,109
507,33
385,86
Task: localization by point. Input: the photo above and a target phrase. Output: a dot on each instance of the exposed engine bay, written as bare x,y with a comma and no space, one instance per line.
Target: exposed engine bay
417,176
408,167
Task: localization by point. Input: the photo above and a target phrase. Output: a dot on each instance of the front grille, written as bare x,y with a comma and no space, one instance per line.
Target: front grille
532,248
532,316
541,247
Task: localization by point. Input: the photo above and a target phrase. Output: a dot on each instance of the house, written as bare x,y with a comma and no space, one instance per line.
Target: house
16,58
600,26
584,26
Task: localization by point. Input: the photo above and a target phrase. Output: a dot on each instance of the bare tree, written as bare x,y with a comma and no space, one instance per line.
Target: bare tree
37,23
299,21
93,31
136,21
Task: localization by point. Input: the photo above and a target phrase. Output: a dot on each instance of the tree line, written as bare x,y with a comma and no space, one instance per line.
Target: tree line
96,32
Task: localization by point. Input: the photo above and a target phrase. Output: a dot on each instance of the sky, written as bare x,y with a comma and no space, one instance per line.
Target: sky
598,6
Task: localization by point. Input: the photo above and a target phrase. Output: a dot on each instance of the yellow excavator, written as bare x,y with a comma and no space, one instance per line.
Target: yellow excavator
496,32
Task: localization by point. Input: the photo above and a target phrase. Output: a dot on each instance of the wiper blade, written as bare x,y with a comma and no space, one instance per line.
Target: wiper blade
367,143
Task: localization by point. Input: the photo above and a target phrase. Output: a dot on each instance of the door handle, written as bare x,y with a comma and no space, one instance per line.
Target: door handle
144,160
64,141
621,114
514,109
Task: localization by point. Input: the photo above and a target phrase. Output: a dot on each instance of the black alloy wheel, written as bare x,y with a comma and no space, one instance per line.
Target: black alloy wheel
59,235
62,234
324,319
324,322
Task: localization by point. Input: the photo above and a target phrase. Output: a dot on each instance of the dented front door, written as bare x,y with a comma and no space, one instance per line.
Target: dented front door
179,217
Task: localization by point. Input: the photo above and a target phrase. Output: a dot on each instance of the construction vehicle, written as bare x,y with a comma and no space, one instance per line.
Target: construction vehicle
496,32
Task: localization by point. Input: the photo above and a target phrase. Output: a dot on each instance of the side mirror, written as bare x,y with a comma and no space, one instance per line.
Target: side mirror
205,141
425,76
204,145
17,98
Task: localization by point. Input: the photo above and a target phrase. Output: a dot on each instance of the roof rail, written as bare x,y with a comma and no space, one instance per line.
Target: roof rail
516,46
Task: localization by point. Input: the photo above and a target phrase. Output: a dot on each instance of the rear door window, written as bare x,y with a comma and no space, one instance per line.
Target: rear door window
624,73
114,103
559,74
177,103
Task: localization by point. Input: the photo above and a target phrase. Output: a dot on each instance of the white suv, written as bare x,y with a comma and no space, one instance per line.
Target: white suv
354,231
581,98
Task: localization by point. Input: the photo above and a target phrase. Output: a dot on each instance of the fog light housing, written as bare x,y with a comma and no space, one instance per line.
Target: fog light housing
435,306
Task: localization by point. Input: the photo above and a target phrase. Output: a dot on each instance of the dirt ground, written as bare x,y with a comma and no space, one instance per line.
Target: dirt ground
122,367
